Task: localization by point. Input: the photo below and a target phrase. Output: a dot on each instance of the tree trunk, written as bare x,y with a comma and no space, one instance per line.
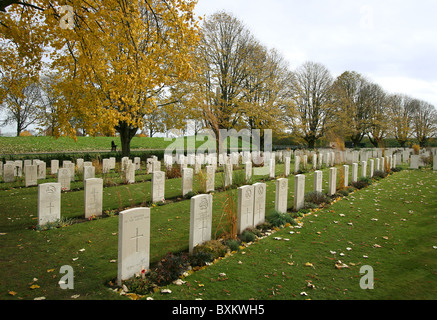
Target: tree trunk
126,132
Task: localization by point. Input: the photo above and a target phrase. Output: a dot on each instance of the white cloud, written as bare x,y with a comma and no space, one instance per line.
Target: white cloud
392,42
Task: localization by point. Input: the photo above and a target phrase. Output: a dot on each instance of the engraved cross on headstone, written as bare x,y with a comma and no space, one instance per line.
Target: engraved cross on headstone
136,238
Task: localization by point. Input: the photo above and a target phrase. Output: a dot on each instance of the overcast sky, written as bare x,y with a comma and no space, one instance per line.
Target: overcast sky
391,42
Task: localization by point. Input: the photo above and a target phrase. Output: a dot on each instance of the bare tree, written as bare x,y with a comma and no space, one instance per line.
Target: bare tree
424,121
400,116
377,105
21,107
311,94
352,107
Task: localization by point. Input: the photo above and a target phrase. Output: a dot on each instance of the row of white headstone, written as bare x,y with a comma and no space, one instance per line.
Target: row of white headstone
49,200
134,227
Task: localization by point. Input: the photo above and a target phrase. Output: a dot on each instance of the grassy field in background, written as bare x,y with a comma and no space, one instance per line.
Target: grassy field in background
390,226
18,145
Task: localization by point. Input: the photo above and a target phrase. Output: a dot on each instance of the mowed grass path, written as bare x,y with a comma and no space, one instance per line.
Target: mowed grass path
405,262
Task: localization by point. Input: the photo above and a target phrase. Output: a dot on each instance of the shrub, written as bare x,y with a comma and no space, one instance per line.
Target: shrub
215,247
234,245
189,195
316,197
310,205
343,192
397,169
247,236
278,219
379,174
170,268
200,258
139,285
264,226
362,183
173,172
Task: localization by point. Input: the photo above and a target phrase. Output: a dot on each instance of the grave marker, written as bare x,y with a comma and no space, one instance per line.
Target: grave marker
299,192
49,203
133,243
281,196
200,220
158,186
93,197
30,175
245,208
259,203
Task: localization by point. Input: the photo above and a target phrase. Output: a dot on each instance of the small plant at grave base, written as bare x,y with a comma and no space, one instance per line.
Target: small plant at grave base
343,192
139,285
363,182
60,223
316,197
310,205
264,226
377,175
397,169
170,268
278,219
189,195
201,259
233,245
173,172
247,236
215,247
427,160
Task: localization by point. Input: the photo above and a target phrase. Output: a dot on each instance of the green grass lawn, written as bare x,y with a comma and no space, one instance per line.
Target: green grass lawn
397,214
18,145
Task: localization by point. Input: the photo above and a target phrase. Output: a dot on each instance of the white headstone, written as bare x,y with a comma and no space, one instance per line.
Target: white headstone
296,164
371,167
332,188
245,208
49,203
318,180
106,165
64,178
281,198
354,172
272,168
414,161
299,192
93,190
287,166
210,178
248,171
259,203
8,172
346,175
133,243
200,220
187,181
41,170
89,172
30,176
54,166
364,168
228,174
158,186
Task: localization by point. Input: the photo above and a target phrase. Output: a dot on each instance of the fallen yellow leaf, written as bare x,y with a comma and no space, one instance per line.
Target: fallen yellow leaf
309,264
50,270
12,293
34,286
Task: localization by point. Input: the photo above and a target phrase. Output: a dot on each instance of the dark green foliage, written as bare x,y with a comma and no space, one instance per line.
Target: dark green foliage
277,219
363,182
215,247
316,197
200,258
170,268
234,245
247,236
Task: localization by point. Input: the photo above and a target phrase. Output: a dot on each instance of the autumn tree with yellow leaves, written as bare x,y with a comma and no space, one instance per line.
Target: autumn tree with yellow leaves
113,58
